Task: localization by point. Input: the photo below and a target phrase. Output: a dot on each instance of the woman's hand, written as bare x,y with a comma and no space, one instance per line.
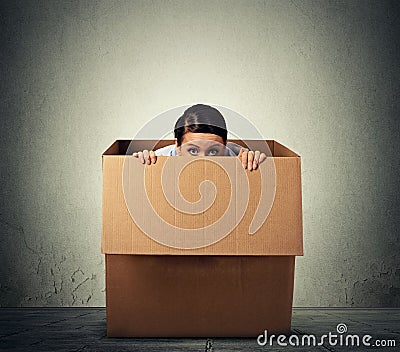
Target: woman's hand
146,157
250,159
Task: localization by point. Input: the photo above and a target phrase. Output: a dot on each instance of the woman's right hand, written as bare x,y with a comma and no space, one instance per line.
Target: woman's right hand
146,156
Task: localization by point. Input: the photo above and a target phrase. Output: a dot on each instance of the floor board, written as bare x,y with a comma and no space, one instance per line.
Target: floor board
84,329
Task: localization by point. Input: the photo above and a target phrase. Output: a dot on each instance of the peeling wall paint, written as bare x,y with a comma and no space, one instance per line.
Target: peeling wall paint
321,77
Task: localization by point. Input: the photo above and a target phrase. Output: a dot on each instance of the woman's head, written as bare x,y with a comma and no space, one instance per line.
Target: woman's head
200,118
201,130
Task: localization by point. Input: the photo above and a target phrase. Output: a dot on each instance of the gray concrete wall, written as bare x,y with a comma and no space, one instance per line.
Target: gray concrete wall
322,77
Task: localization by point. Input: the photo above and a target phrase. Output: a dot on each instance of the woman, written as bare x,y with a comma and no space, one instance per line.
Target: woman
201,131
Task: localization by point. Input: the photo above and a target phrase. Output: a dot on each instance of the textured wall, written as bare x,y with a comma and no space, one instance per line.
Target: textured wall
321,77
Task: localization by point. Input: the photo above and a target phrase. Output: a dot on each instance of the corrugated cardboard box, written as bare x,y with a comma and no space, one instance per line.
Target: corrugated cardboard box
238,285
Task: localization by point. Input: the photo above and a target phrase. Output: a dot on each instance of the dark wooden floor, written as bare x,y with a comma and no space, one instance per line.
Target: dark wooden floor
84,329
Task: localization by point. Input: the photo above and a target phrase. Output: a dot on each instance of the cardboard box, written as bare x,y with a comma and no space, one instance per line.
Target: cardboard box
236,285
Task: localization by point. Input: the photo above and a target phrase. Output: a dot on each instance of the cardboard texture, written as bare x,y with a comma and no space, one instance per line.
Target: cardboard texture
238,285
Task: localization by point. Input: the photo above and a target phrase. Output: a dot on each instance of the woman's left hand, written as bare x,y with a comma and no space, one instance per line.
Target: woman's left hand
250,159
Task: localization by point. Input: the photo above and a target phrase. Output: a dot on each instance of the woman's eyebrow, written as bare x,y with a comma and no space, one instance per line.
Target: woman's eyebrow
194,145
215,145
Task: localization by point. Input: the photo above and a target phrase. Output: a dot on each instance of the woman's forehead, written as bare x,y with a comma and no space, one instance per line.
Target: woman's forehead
201,138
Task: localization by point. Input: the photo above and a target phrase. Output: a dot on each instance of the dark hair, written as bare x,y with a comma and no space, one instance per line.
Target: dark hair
200,118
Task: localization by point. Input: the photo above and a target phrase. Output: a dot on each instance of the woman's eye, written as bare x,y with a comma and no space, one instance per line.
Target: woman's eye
193,151
213,152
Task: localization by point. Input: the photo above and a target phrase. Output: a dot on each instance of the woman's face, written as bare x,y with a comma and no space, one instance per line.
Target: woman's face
201,144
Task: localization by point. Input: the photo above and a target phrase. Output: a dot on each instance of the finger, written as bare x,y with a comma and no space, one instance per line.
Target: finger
241,152
140,155
250,158
153,157
256,159
146,156
244,159
262,157
135,155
